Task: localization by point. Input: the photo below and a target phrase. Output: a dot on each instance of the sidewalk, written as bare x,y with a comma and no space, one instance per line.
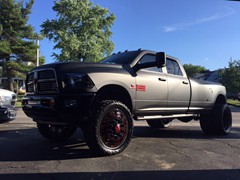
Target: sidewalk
22,118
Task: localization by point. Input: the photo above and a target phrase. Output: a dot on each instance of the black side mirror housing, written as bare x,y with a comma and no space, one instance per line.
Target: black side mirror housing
161,59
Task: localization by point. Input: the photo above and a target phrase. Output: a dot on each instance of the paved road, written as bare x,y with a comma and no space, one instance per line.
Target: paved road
179,152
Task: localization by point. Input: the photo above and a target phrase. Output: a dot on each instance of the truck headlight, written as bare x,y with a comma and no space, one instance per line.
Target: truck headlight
76,80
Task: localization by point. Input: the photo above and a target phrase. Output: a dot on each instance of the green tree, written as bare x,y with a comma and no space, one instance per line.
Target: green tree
230,76
81,30
191,70
16,39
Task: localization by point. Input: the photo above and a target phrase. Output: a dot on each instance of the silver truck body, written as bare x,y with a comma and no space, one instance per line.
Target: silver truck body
162,93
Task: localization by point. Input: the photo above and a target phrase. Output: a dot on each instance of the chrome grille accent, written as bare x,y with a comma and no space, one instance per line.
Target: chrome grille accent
30,84
43,81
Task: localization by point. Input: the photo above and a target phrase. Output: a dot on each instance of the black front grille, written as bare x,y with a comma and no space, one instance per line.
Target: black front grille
47,86
48,74
43,81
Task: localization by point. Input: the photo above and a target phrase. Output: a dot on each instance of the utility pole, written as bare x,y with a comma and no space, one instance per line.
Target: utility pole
37,41
37,37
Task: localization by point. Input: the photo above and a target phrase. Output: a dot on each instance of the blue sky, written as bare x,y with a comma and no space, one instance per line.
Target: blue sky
200,32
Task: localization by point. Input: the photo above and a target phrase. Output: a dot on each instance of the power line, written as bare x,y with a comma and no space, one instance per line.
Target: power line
13,38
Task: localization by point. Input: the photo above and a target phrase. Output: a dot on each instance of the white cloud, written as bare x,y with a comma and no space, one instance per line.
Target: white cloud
180,26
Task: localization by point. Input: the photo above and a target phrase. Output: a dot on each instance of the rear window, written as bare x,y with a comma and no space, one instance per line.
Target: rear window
173,68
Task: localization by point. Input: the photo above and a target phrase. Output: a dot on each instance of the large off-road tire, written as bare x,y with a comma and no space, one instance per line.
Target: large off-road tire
56,132
160,123
111,128
207,123
218,121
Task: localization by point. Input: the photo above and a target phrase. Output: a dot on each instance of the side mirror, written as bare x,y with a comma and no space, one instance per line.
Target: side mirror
161,59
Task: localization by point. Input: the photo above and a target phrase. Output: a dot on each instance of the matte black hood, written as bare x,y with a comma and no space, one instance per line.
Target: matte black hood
78,67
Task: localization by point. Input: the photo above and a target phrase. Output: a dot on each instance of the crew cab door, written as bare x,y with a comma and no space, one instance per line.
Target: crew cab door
179,93
151,88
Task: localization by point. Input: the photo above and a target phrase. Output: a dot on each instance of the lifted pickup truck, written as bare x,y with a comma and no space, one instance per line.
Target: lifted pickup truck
103,99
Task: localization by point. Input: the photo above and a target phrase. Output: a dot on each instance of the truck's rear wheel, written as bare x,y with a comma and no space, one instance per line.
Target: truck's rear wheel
218,122
56,132
160,123
111,129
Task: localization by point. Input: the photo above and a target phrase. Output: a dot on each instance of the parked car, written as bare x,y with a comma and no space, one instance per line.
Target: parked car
7,105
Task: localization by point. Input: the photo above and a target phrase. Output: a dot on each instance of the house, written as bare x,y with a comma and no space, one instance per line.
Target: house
20,82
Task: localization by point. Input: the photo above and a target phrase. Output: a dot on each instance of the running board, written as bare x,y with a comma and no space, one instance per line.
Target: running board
165,116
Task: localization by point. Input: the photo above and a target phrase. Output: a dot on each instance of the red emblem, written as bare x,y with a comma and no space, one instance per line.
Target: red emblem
140,87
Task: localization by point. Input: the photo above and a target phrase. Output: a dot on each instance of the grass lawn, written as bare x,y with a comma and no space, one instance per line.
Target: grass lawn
18,104
233,102
19,101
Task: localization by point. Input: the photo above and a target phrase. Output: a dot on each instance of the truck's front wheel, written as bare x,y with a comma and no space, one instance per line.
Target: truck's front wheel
111,128
56,132
218,122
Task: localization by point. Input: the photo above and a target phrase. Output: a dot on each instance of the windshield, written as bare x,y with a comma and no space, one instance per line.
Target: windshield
121,58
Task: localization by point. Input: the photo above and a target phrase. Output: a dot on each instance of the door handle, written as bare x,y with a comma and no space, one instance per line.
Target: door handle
185,82
161,79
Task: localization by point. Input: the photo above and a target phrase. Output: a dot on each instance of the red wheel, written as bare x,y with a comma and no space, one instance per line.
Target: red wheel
111,129
114,129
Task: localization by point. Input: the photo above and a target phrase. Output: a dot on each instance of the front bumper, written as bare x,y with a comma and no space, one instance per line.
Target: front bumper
7,114
58,109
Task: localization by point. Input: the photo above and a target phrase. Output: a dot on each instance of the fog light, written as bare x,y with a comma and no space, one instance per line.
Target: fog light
71,103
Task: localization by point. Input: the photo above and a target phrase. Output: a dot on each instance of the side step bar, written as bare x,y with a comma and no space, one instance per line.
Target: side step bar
173,116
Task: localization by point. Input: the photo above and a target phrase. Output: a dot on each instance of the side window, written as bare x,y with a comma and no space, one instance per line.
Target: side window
173,67
149,58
